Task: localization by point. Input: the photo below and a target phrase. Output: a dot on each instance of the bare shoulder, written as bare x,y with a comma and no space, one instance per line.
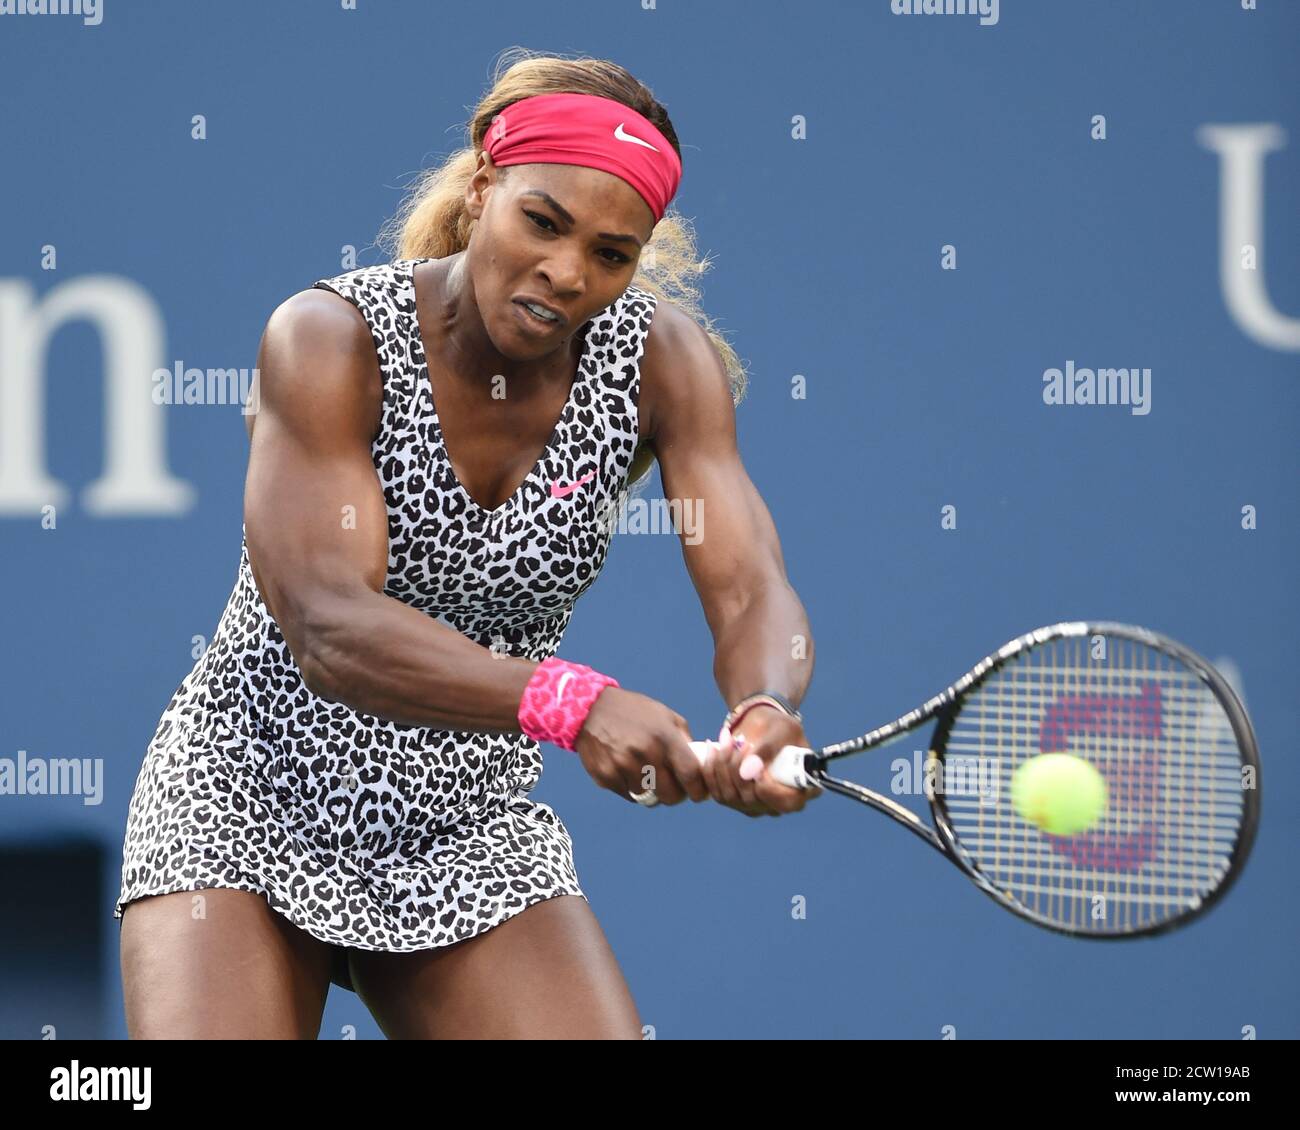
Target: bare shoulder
682,372
317,352
319,324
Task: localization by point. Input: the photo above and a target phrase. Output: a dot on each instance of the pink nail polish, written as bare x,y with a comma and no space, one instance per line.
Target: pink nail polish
752,767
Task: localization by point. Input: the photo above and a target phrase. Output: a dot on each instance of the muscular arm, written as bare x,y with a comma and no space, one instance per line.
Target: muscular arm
322,576
760,630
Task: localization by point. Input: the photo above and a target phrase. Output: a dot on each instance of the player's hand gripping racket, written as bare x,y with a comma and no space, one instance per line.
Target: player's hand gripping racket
1097,779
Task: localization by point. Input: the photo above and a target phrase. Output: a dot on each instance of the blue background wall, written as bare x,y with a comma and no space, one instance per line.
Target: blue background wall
924,390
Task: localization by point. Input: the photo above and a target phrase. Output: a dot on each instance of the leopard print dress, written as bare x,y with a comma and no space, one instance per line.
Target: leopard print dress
364,832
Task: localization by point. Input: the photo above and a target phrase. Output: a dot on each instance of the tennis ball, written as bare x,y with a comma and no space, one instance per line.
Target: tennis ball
1059,793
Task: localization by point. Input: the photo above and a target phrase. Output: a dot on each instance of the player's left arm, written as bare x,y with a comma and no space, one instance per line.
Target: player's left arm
761,635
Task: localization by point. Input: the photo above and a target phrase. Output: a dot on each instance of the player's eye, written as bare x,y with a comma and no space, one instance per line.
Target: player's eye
618,260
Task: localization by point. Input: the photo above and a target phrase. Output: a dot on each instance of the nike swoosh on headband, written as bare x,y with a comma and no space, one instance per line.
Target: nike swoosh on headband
622,135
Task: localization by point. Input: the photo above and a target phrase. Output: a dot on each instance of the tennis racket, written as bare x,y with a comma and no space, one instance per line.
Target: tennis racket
1166,732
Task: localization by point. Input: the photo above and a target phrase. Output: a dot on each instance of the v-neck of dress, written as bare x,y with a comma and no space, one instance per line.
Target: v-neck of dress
440,440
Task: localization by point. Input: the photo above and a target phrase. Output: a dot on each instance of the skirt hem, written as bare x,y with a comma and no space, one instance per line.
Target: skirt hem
346,939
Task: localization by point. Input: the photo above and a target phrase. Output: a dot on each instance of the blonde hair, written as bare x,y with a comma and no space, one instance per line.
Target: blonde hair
432,222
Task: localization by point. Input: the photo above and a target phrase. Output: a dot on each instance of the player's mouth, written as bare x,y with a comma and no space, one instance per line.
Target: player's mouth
538,316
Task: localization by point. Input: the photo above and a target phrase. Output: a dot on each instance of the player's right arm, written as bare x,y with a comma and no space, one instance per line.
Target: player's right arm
317,530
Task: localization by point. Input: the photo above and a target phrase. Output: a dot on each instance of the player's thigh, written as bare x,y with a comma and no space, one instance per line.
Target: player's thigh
219,964
546,973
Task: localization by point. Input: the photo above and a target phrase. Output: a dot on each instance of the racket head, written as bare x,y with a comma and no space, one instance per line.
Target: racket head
1173,745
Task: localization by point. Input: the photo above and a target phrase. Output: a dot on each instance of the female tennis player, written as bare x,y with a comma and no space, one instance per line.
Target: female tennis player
338,791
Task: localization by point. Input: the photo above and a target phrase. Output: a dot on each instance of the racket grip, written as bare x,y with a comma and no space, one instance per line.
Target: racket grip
786,767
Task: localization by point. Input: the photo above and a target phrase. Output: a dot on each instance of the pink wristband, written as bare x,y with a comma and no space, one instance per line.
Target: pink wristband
557,700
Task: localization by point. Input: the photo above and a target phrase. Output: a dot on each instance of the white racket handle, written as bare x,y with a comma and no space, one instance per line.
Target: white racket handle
787,767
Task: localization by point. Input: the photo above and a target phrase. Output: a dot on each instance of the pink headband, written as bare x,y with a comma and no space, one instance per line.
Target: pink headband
585,129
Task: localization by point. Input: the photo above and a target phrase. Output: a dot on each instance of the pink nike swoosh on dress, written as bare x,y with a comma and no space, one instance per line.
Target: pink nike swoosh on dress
558,491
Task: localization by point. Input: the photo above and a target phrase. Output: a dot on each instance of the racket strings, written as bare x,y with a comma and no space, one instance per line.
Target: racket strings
1166,750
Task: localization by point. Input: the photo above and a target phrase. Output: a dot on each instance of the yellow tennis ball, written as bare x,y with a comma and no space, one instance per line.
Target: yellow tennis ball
1059,793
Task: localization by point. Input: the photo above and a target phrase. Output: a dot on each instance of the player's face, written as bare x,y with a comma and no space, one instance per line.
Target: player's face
550,232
